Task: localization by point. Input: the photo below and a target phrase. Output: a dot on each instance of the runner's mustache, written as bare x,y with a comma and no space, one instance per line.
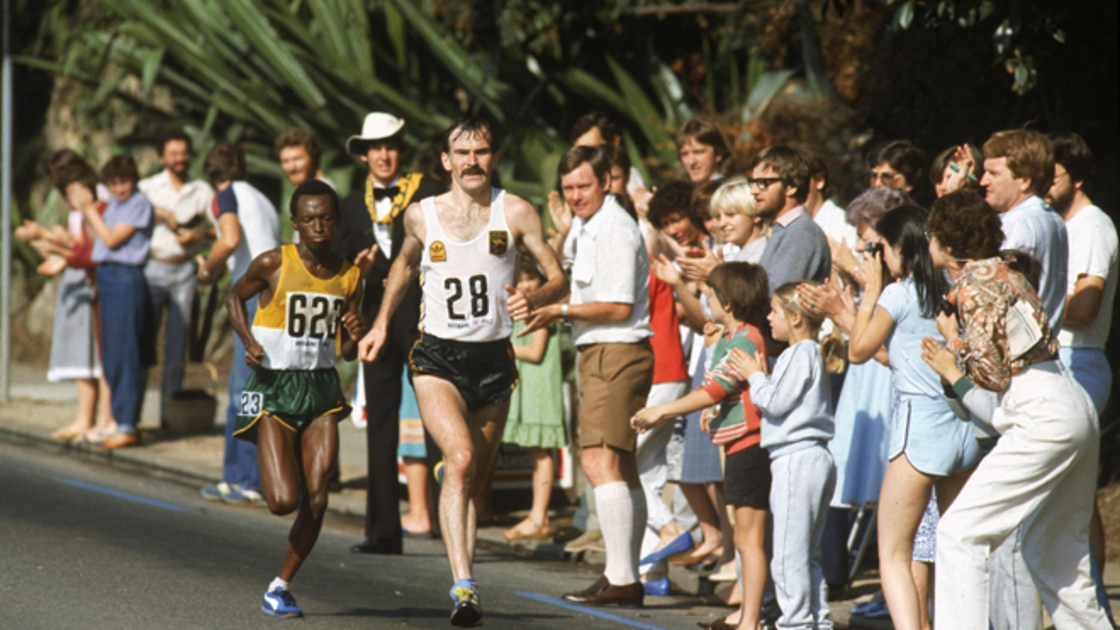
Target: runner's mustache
473,170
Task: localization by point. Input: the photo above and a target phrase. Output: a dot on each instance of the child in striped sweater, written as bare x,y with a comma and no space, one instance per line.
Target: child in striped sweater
738,295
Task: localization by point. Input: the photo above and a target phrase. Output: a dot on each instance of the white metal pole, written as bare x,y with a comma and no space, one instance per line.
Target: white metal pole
6,196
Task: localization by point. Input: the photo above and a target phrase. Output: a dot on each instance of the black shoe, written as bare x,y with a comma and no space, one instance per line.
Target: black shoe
381,546
567,534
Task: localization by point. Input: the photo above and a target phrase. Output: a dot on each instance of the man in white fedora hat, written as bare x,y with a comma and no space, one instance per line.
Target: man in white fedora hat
373,226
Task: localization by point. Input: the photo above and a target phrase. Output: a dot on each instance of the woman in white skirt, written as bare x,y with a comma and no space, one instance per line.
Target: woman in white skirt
1041,474
74,351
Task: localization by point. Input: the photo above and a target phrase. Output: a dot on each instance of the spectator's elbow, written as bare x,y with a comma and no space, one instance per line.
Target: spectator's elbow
620,312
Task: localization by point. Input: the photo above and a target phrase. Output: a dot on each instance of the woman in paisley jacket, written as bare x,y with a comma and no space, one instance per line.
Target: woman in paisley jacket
1041,473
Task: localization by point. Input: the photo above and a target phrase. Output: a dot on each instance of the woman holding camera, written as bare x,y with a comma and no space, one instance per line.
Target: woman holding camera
1040,475
929,446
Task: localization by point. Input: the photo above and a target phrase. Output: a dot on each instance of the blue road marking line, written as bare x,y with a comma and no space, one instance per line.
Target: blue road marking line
121,495
588,611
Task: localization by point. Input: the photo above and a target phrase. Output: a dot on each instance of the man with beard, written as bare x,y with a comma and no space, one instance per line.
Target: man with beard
464,243
292,402
1091,290
798,248
180,205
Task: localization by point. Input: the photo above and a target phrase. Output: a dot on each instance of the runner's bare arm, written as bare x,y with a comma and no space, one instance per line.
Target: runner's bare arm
353,325
401,275
260,279
526,226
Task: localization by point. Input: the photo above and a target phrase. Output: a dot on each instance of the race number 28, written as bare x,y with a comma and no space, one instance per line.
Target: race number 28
478,297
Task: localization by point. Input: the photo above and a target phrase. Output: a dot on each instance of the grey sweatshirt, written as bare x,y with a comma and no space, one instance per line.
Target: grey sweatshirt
794,401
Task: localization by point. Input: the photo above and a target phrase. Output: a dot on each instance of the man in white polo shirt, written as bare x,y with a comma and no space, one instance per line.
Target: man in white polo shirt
180,205
609,313
1091,282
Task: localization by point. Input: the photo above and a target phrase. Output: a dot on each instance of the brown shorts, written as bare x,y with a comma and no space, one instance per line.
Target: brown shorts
614,382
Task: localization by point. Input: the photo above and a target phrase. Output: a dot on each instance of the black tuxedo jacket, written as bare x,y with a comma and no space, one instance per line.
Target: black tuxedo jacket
355,233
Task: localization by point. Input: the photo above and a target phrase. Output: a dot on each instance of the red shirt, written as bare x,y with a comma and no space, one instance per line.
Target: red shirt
668,357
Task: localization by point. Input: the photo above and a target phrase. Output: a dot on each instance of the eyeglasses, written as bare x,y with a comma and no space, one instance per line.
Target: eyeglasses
762,183
884,178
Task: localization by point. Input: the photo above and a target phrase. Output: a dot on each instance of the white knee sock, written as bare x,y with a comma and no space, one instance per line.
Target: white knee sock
641,516
616,520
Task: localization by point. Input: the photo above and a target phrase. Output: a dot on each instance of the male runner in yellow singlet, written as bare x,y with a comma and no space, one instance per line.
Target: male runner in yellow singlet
291,405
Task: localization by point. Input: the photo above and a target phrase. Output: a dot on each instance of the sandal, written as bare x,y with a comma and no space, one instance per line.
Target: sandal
65,434
94,436
516,532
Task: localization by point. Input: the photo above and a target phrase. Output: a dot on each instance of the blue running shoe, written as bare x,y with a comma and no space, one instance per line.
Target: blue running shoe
467,612
279,602
437,472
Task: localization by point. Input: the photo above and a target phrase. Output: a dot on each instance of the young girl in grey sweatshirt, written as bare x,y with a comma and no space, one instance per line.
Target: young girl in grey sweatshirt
796,428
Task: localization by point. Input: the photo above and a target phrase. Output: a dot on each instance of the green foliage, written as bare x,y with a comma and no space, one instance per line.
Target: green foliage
1015,28
245,70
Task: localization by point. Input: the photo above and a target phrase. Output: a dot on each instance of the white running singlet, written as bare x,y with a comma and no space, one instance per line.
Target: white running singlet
464,283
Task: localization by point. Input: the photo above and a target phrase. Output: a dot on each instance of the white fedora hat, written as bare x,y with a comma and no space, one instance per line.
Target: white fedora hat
377,126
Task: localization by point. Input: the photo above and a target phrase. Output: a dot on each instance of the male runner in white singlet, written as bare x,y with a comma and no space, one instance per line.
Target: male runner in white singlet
463,245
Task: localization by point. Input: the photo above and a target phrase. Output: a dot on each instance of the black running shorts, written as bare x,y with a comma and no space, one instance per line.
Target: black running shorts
483,372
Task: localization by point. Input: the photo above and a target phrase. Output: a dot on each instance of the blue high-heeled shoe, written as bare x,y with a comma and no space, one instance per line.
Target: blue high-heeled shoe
681,543
657,587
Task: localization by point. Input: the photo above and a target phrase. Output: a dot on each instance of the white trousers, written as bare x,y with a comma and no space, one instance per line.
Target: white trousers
800,490
1039,477
653,469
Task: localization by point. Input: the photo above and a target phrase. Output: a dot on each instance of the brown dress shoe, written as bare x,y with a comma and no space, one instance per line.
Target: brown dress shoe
603,593
120,440
598,587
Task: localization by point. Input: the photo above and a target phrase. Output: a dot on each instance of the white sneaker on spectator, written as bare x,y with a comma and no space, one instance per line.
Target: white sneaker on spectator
217,492
238,494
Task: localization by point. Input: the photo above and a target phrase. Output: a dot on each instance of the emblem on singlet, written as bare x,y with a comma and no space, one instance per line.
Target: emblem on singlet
499,242
437,252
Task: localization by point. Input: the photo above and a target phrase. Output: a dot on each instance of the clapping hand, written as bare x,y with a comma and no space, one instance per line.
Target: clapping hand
947,325
665,271
743,363
941,360
364,260
698,262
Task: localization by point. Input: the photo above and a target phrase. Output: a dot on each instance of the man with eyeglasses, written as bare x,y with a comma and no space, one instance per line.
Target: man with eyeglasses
798,248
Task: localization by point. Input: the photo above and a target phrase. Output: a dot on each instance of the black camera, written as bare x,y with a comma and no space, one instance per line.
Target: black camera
946,307
873,248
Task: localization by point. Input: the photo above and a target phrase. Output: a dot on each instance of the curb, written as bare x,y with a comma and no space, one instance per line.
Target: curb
138,461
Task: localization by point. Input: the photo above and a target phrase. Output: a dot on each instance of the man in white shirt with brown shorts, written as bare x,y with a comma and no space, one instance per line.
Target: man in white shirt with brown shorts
609,313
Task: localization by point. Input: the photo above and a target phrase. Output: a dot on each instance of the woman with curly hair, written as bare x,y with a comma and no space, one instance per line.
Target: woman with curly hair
1040,475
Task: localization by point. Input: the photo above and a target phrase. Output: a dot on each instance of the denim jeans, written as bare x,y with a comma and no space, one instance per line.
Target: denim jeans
125,339
173,286
239,465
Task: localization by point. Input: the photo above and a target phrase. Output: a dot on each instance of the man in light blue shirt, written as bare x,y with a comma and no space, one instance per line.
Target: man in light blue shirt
1018,171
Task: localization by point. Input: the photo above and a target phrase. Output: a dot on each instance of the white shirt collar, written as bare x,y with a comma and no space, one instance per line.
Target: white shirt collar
592,226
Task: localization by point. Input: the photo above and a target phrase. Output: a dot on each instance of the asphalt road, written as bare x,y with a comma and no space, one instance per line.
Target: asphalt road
86,546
